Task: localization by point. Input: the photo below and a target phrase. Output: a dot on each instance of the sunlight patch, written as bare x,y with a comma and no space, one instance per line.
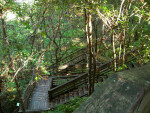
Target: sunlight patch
10,16
62,67
30,2
76,39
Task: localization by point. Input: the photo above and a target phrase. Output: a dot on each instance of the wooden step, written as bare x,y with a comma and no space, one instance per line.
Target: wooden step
67,96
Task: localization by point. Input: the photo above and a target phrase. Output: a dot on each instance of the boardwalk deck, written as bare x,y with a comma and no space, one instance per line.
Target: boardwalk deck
39,100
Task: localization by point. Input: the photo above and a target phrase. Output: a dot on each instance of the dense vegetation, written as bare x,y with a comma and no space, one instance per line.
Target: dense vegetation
45,31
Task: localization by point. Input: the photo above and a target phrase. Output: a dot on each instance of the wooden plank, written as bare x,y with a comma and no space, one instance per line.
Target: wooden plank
39,96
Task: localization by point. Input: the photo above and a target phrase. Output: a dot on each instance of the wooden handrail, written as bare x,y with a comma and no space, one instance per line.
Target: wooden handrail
117,60
64,77
56,66
79,56
72,54
60,78
81,64
68,56
28,90
60,59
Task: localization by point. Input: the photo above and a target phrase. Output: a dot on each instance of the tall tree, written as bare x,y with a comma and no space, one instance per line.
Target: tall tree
11,68
90,50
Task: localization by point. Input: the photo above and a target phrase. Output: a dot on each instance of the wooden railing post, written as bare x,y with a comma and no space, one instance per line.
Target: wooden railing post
33,74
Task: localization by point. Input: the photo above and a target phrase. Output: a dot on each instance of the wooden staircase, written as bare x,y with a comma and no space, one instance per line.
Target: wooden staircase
69,61
71,85
78,86
79,91
63,98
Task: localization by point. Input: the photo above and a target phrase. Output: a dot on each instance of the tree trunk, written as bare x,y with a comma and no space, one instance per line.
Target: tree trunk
94,72
124,47
96,37
120,48
114,51
88,34
86,26
90,53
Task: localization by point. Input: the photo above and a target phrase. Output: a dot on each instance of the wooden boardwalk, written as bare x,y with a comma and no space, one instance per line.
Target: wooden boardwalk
39,100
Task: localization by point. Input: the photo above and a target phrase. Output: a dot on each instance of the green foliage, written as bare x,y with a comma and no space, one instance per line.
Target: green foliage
35,27
69,107
120,68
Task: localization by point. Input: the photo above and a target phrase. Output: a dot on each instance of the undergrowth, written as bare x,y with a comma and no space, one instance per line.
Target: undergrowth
69,107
